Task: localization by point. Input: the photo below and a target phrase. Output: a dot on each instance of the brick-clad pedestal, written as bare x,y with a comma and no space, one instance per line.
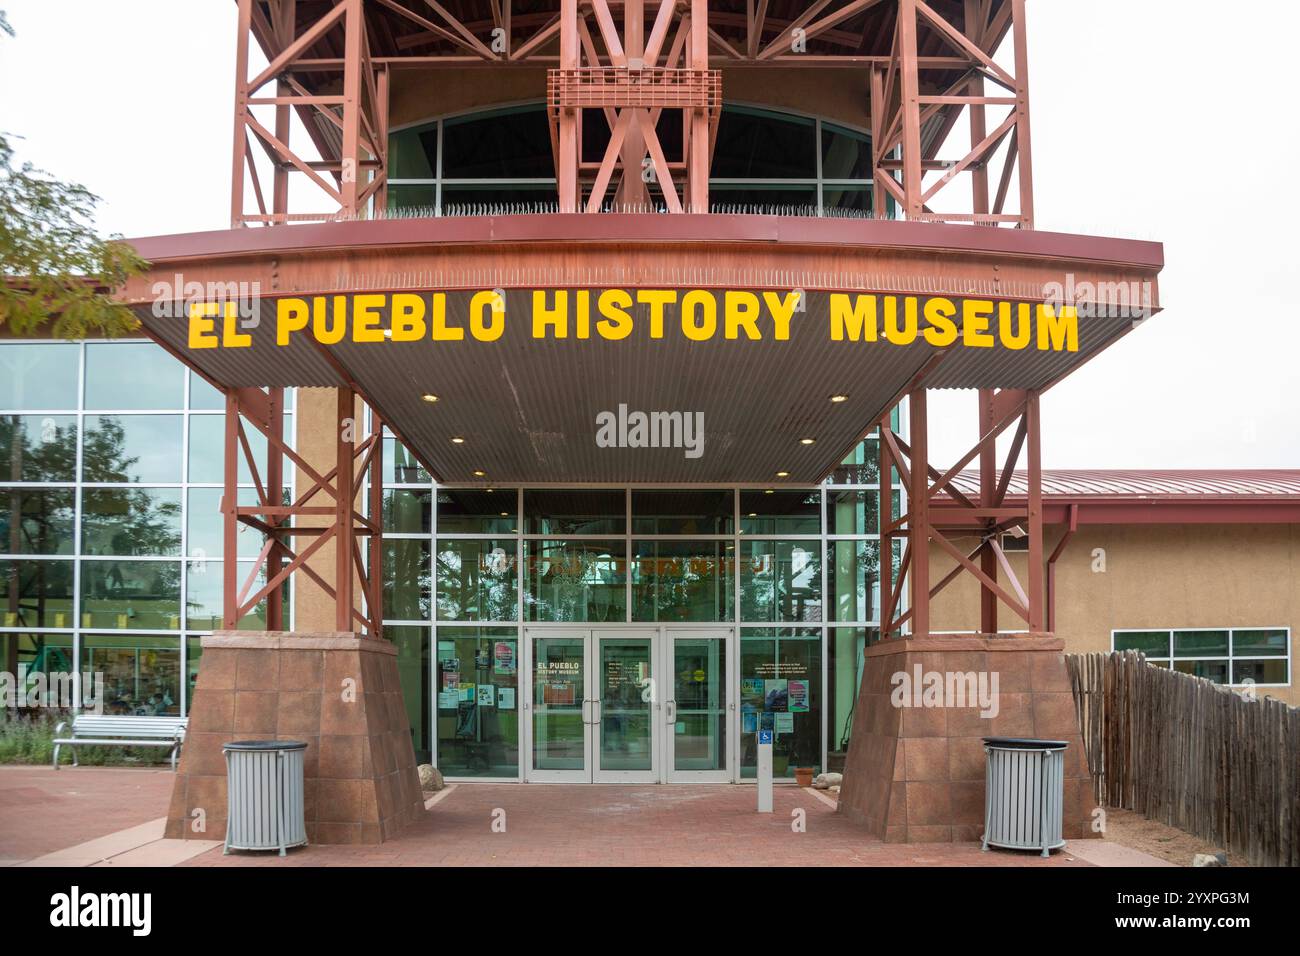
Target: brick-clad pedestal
916,774
340,694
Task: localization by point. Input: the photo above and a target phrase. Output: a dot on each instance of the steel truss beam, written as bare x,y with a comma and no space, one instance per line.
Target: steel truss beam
937,509
352,171
905,102
632,77
338,522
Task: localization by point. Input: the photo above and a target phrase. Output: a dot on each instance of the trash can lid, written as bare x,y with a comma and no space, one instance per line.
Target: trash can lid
1025,743
265,745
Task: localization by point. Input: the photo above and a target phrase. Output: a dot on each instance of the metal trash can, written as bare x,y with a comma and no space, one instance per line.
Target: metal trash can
264,795
1024,793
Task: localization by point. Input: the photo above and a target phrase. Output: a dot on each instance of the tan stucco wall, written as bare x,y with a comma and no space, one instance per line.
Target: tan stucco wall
1156,576
423,94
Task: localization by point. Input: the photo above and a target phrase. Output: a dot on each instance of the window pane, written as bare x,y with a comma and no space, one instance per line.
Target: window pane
583,511
763,195
132,448
1262,643
413,674
477,511
576,580
1200,643
780,690
780,581
204,397
849,198
456,198
780,512
207,526
503,144
1216,671
36,520
131,594
142,673
752,144
131,521
39,375
1261,672
35,655
682,581
853,580
207,451
846,647
132,375
400,466
203,590
406,580
682,512
852,512
478,701
418,199
38,448
414,153
1151,643
193,653
36,594
407,511
845,154
860,467
477,580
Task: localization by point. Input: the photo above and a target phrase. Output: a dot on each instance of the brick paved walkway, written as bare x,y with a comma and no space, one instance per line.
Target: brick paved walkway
631,826
43,810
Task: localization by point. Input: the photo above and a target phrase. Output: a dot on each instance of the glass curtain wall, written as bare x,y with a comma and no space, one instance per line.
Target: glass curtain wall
795,571
110,538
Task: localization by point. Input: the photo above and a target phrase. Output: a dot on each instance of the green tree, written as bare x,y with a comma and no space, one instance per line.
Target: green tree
54,266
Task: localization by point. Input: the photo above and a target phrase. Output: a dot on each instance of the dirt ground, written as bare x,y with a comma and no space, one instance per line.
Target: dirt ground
1175,846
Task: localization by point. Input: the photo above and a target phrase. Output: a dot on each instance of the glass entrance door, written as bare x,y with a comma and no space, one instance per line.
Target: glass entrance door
592,706
697,707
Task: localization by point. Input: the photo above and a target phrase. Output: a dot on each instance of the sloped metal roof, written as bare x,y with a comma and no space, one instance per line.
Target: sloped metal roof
1131,484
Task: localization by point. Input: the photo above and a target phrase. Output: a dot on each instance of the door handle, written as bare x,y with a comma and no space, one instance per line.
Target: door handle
671,707
585,702
595,711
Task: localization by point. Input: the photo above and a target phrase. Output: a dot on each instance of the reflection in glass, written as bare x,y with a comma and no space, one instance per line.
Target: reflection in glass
576,580
479,697
141,673
477,511
682,512
38,447
130,595
400,466
584,511
34,655
625,707
1261,672
143,449
853,580
852,512
559,695
780,512
36,593
1200,643
780,690
682,581
1150,643
699,683
36,520
206,534
478,580
203,596
407,582
845,645
1259,643
408,510
131,521
207,451
412,644
780,581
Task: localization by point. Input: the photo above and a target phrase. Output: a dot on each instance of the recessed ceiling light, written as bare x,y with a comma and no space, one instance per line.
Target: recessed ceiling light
429,397
839,398
490,490
505,514
783,474
767,491
752,514
806,441
457,440
480,474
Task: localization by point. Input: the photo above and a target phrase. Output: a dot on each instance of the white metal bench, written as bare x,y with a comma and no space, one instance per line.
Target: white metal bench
105,731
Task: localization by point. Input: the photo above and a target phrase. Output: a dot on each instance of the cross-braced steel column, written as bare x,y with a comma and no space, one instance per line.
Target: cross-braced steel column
910,125
936,509
280,558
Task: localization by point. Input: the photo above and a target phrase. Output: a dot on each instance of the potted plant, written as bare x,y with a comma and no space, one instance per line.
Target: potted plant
803,774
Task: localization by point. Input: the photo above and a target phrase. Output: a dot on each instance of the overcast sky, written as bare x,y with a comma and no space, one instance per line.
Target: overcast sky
1151,120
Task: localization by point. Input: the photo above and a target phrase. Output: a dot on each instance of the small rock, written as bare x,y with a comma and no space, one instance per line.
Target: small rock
430,778
824,781
1206,859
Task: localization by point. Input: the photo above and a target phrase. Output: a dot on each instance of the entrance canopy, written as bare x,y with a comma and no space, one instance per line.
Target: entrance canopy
686,349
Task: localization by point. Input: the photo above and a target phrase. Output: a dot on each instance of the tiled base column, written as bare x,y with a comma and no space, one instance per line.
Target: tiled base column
915,774
339,693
